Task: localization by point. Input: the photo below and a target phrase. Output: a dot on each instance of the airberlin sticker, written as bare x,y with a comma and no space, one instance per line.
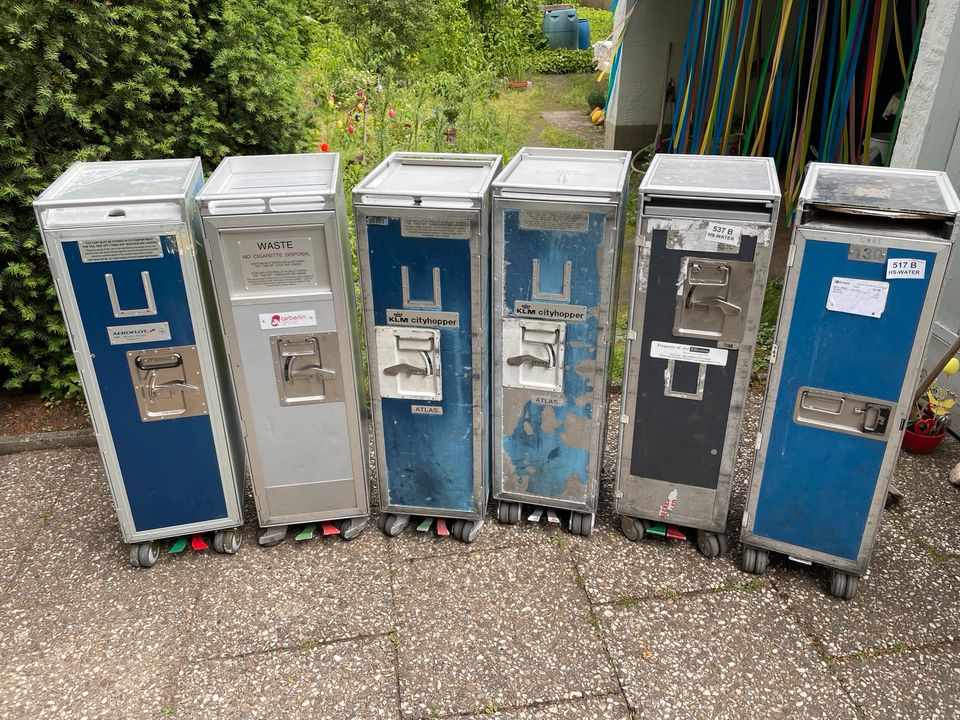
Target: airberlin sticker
668,505
297,318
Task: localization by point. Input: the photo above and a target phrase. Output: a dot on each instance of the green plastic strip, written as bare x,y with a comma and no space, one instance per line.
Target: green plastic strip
658,529
307,533
179,546
425,525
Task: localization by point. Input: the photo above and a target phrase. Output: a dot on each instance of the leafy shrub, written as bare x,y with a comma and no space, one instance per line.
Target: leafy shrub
767,330
596,97
601,22
562,61
141,79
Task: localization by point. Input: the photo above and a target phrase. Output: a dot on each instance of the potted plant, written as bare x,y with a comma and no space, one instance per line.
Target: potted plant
517,68
928,422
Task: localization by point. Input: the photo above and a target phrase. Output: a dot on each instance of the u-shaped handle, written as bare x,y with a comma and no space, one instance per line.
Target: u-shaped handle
118,312
405,286
564,294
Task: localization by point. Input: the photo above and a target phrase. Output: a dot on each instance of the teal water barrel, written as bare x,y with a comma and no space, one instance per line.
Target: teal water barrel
561,28
583,38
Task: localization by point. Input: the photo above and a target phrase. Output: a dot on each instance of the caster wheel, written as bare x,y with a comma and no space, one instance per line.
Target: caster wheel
755,560
351,528
631,528
844,585
270,536
466,530
575,519
514,513
393,525
584,524
145,554
711,544
503,512
227,541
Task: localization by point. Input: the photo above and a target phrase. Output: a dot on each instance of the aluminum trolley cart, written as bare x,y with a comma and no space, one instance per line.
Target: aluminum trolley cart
124,245
423,249
704,237
866,265
558,220
277,238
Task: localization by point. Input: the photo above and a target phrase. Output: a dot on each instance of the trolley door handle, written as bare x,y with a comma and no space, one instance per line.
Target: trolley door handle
408,369
168,388
697,268
535,361
832,404
290,373
159,362
874,417
726,307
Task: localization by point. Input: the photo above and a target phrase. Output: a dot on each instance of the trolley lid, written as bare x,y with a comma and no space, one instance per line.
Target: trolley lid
428,179
119,182
271,183
591,174
871,190
719,176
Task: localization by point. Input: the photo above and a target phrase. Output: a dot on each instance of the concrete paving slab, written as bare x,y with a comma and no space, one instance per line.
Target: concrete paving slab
349,679
931,505
504,629
9,565
603,708
720,655
294,593
23,504
905,685
906,597
76,661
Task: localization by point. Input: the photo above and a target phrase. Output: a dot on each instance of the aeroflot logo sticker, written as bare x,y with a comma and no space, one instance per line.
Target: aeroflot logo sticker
297,318
142,333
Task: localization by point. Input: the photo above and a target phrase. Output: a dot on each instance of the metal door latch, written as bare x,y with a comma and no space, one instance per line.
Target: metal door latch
408,369
840,412
533,354
167,382
308,368
713,299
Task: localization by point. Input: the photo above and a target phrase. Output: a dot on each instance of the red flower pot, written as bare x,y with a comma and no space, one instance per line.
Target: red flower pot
920,444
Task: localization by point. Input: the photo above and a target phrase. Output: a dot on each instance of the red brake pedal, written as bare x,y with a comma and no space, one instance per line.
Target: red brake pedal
442,529
674,533
197,543
329,528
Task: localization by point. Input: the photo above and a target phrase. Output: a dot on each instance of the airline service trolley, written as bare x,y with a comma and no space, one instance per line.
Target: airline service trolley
704,237
125,249
866,266
558,218
278,243
422,223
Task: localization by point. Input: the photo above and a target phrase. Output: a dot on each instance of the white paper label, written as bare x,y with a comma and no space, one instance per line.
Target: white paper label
120,249
142,333
688,353
553,220
906,268
858,297
298,318
435,227
278,263
724,234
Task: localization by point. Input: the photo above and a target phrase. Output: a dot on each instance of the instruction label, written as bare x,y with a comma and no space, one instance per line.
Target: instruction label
426,409
724,234
141,333
548,311
297,318
120,249
423,318
688,353
435,227
277,263
553,220
858,297
906,268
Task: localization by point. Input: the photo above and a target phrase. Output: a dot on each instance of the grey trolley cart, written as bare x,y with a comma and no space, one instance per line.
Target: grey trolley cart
558,220
277,236
125,249
866,266
704,236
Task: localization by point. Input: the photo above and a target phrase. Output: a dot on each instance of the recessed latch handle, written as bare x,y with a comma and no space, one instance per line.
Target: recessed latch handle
408,369
291,373
532,360
726,307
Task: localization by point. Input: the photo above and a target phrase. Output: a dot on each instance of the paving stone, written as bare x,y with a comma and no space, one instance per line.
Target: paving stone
905,685
74,661
343,680
730,655
501,629
605,708
905,597
23,503
931,505
294,593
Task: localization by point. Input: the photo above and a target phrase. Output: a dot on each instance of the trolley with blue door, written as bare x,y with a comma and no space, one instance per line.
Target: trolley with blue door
423,250
124,246
557,229
865,270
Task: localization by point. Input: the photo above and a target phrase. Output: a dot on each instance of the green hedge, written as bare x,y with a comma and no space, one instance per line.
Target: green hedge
562,61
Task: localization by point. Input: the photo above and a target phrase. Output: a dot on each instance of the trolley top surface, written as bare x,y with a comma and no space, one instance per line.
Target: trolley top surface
880,190
560,170
271,176
85,183
716,175
434,174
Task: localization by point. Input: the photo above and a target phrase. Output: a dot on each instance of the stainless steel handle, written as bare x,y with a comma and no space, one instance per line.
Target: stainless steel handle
697,268
832,404
408,369
531,359
726,307
150,309
290,373
157,390
159,362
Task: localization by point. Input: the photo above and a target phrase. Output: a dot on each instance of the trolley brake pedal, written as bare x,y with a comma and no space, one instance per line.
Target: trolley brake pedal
552,516
307,533
178,547
674,533
329,528
198,544
442,529
425,525
658,529
535,515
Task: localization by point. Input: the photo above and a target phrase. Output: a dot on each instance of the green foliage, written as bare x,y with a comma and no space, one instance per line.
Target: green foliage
766,333
596,97
601,22
143,79
561,61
